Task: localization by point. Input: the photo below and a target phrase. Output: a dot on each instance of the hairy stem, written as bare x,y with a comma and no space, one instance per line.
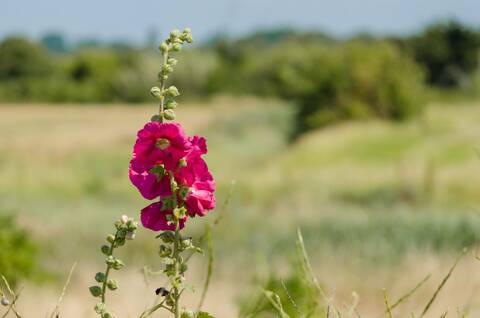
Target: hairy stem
107,272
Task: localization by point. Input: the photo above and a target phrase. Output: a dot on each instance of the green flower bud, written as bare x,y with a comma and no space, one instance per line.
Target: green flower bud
155,118
105,249
167,237
174,34
172,91
187,242
156,92
183,268
176,47
110,260
163,48
96,291
167,69
100,308
112,284
111,238
100,277
107,315
169,114
187,31
171,61
187,314
130,235
118,264
164,251
170,104
179,213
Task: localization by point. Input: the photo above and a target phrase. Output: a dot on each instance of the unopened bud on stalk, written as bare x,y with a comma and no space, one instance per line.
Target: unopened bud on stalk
156,92
176,47
130,235
96,291
111,238
169,114
4,301
124,219
171,104
163,48
174,34
172,91
187,314
171,61
112,284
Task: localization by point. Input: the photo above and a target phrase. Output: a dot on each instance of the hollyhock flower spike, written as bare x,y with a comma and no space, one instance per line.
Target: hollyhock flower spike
166,166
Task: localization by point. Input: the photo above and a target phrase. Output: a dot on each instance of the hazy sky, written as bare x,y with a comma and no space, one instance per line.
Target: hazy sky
130,20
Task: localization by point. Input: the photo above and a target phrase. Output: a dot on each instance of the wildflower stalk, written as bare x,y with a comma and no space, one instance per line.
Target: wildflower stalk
125,230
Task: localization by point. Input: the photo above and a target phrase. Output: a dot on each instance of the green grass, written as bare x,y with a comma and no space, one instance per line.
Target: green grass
355,182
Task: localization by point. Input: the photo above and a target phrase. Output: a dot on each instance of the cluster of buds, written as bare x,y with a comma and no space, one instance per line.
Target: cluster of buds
125,230
175,265
166,95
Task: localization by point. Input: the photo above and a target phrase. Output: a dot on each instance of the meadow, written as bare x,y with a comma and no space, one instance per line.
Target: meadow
403,197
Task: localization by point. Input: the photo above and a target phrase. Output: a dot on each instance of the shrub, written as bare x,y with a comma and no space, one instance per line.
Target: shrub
332,83
449,51
17,252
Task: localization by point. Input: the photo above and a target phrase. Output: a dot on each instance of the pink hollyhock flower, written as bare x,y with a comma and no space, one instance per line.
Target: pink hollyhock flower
199,200
148,183
199,144
155,219
197,178
161,142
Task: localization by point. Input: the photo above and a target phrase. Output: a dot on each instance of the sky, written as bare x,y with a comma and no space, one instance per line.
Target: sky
131,20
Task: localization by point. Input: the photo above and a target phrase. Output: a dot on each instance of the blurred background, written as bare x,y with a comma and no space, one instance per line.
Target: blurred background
355,121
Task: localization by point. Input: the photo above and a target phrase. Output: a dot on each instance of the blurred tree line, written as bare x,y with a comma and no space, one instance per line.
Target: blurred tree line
328,79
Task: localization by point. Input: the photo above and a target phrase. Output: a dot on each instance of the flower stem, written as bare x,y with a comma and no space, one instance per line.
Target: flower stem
162,87
107,272
176,256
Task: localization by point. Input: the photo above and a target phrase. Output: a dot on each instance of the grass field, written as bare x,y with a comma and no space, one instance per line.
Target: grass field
380,204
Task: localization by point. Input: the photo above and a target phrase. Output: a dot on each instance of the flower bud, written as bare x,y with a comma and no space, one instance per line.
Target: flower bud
130,235
105,249
187,314
112,284
167,237
124,219
96,291
118,264
172,91
187,242
100,277
174,34
107,315
167,69
111,238
176,47
156,92
100,308
155,118
110,260
171,104
163,48
187,30
169,114
171,61
164,251
4,301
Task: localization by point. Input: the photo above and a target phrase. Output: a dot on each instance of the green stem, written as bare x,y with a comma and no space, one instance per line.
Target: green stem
107,272
176,295
162,86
